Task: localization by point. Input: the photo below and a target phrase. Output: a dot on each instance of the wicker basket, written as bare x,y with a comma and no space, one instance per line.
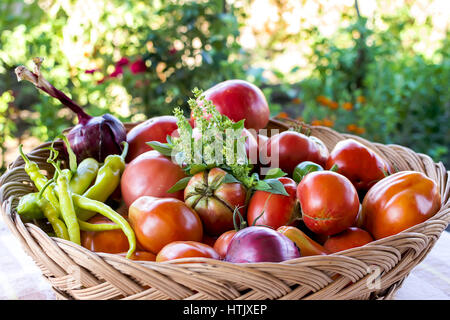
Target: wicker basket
374,271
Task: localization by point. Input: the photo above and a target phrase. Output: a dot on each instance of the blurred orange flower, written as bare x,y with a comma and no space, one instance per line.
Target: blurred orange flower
283,115
361,99
347,106
296,100
327,122
360,130
352,127
316,122
323,100
333,105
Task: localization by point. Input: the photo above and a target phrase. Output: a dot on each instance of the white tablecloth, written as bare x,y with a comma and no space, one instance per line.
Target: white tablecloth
20,278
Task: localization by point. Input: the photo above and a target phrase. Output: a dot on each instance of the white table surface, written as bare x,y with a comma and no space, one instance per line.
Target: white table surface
21,279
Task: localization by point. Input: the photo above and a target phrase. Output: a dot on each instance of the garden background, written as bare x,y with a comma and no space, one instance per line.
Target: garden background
379,69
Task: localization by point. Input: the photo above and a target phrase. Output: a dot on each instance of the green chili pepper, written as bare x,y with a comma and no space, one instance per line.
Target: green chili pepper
103,209
108,179
86,226
67,206
52,215
28,207
85,174
39,179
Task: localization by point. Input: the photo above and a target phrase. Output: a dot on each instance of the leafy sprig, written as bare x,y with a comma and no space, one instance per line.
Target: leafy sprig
216,141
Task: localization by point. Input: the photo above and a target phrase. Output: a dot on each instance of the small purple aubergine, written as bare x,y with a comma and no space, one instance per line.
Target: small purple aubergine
260,244
95,137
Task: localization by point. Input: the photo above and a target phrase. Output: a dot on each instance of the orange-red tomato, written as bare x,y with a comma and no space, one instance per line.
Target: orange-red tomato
399,202
111,241
153,129
186,249
274,210
362,166
150,174
239,99
351,237
160,221
290,148
329,202
140,256
222,242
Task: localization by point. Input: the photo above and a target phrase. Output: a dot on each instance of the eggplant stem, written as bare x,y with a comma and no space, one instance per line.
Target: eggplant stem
40,82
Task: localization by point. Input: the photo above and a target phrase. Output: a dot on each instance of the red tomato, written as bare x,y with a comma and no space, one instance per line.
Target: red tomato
290,148
399,202
141,256
111,241
351,237
274,210
159,221
323,150
358,163
222,242
150,174
186,249
329,202
239,99
214,201
154,129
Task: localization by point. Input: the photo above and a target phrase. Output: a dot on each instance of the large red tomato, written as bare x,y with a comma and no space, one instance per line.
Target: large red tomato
399,202
150,174
186,249
329,202
274,210
215,201
159,221
358,163
111,241
351,237
154,129
239,99
290,148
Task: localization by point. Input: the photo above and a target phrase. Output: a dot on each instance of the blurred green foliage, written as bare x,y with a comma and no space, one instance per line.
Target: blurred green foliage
380,88
137,59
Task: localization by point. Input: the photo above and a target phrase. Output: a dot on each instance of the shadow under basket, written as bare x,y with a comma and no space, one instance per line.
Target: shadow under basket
373,271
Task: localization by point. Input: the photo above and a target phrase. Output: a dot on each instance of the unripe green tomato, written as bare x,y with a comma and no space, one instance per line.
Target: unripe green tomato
303,168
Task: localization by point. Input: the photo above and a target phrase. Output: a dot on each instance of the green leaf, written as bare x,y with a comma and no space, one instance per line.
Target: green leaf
272,186
238,125
262,185
229,178
196,168
275,173
163,148
180,185
276,187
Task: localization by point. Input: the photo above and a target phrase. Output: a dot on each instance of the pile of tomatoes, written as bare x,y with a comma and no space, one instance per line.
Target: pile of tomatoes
335,199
